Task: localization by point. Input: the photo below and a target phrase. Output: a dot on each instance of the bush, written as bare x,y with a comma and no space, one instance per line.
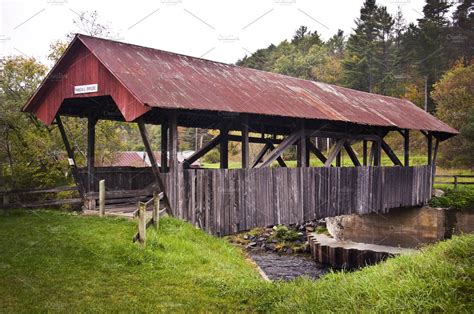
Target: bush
212,157
462,199
282,233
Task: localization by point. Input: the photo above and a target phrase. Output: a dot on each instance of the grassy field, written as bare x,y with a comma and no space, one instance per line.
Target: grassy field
53,261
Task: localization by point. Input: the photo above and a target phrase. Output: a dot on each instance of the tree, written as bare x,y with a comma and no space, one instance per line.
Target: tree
454,96
430,39
29,151
367,64
336,44
462,33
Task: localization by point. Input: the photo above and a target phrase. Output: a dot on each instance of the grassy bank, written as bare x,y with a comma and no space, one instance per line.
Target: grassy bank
61,262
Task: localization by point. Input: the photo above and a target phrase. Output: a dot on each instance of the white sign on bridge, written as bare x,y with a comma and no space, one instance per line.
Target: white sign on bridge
84,89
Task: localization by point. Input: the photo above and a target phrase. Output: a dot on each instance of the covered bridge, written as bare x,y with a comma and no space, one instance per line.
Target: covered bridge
103,79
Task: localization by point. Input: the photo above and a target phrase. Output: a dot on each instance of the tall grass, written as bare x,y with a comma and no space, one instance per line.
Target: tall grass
52,261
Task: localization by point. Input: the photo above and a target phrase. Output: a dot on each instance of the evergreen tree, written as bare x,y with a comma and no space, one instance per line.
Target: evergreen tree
462,33
336,44
431,43
367,61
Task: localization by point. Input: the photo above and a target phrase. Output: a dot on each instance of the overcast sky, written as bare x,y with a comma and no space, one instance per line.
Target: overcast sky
218,30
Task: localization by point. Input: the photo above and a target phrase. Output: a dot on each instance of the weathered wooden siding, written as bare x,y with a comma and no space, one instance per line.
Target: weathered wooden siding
224,201
120,178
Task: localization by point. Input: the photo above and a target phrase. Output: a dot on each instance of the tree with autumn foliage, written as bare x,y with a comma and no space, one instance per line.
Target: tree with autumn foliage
454,98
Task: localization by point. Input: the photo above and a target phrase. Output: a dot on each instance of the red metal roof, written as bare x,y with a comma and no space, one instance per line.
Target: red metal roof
163,79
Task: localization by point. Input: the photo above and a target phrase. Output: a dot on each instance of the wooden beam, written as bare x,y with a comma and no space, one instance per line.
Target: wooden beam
390,153
406,148
429,139
373,149
339,158
287,142
364,152
91,123
309,133
350,136
149,150
433,166
317,152
260,155
280,160
70,155
301,148
334,152
378,153
224,149
435,152
164,147
154,166
307,152
204,150
173,141
245,142
351,153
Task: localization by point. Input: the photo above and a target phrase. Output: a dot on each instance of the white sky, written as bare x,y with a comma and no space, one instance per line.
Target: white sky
218,30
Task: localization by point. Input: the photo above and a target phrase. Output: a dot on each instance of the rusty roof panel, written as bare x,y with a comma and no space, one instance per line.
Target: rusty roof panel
168,80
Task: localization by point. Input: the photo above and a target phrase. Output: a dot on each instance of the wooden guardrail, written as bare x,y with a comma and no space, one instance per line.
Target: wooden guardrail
455,179
8,203
143,224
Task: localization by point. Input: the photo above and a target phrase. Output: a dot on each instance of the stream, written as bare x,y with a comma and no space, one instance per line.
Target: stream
287,267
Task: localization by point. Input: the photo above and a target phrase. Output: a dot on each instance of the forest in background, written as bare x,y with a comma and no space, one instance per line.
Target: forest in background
383,54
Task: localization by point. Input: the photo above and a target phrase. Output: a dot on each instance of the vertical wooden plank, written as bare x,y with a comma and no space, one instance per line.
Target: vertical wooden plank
156,210
141,222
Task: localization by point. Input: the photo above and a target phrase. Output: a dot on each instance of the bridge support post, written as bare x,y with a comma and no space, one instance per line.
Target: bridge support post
245,141
91,123
406,146
164,147
224,149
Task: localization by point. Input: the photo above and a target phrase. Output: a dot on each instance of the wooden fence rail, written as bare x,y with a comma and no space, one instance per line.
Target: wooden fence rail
9,195
455,179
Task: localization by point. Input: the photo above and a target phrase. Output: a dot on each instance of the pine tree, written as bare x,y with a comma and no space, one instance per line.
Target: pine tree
432,45
462,33
367,61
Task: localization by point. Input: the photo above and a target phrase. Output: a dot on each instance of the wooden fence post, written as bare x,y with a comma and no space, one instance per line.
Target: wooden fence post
156,210
102,198
455,182
141,222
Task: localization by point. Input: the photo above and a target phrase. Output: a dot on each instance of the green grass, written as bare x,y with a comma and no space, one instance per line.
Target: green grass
53,261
